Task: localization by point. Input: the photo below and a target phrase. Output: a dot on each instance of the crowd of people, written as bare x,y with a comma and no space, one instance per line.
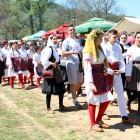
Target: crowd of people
104,62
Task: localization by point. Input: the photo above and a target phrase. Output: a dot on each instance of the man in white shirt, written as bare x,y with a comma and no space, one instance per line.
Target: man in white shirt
70,50
116,62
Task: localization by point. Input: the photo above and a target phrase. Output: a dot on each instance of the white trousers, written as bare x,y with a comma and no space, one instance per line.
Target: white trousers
118,87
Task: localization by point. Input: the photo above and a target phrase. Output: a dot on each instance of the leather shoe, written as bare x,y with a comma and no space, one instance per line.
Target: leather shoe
50,111
127,120
102,124
63,107
113,104
96,128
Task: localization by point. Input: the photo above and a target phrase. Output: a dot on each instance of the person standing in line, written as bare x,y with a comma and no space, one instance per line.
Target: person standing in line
31,53
116,63
97,87
14,65
50,59
70,50
1,66
24,61
133,72
36,62
5,52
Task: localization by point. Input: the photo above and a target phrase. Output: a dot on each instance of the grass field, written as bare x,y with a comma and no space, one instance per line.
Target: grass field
23,116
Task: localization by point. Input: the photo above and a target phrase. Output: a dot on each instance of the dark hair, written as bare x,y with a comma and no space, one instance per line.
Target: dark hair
132,33
37,48
124,33
14,43
51,37
113,32
59,42
71,25
32,44
137,34
11,44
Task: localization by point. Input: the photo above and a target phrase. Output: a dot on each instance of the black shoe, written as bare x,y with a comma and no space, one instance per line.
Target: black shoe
77,105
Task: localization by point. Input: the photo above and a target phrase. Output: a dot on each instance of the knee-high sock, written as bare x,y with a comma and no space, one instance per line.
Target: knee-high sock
103,107
0,78
12,81
3,78
25,78
92,109
38,81
132,97
8,79
138,100
60,99
21,79
31,76
48,100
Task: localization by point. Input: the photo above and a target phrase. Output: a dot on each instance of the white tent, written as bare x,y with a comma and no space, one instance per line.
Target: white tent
128,24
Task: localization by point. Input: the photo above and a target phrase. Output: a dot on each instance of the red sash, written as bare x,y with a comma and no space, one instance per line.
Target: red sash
24,65
30,66
110,78
16,64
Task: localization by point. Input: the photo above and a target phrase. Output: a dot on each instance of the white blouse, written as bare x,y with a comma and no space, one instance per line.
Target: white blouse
5,52
1,55
62,59
134,55
88,60
113,55
36,59
46,56
12,54
23,53
30,53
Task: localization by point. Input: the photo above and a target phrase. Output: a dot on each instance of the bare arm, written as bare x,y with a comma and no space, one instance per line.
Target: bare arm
67,53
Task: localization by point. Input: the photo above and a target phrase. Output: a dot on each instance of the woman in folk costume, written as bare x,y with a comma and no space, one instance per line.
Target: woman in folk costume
37,62
97,88
31,53
5,52
24,61
133,72
14,65
1,66
49,59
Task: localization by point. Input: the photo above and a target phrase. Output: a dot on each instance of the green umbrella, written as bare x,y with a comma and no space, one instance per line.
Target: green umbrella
94,23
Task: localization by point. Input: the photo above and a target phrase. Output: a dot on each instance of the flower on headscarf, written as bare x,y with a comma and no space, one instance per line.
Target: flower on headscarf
95,33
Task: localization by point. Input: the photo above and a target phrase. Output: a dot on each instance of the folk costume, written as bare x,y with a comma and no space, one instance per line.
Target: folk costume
24,64
1,66
94,64
5,52
116,62
50,85
36,59
13,58
133,70
30,65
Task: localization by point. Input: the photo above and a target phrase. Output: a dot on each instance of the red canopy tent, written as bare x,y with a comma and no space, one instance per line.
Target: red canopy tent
60,32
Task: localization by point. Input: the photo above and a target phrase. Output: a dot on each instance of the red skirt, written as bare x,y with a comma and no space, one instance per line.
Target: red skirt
110,78
24,65
30,66
99,79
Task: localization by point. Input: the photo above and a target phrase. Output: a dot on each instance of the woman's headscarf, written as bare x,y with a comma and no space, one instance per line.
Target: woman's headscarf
91,45
126,40
50,43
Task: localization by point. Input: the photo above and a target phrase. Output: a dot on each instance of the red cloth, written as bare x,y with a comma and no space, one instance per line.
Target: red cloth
31,77
110,78
92,109
8,79
99,79
12,81
25,78
16,64
21,43
21,79
131,40
4,42
30,66
24,65
38,82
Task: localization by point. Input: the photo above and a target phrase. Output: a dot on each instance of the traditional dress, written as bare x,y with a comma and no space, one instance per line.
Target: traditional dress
13,58
36,59
24,63
114,56
1,65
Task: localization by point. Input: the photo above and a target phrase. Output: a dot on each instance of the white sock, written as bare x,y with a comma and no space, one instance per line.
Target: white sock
74,100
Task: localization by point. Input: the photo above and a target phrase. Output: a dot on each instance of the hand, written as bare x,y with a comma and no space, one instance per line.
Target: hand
128,78
76,51
106,73
24,59
0,58
117,72
54,65
11,67
93,88
39,62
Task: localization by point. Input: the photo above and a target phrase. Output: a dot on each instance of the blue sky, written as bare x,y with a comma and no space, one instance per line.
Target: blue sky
132,7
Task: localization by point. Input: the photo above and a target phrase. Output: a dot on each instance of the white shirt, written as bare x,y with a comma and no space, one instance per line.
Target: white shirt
23,53
113,54
1,55
70,44
36,59
134,53
5,52
30,53
46,56
62,59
